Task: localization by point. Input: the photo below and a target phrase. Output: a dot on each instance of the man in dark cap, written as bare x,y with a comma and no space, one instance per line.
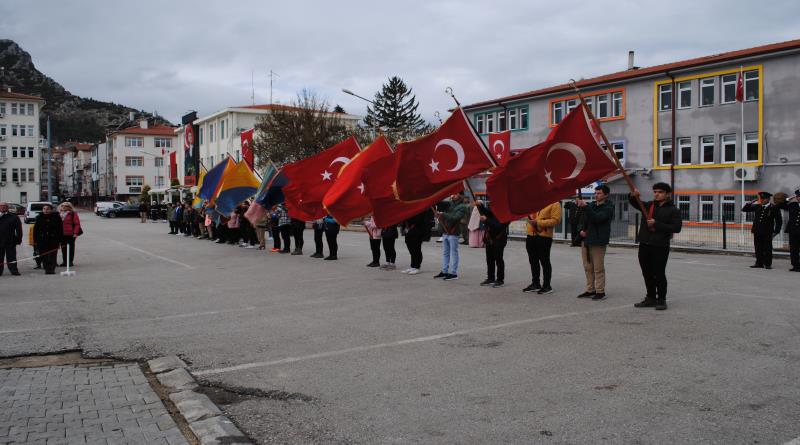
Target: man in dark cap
766,224
661,220
792,205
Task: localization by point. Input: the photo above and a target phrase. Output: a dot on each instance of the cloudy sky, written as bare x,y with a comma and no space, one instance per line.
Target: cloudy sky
172,56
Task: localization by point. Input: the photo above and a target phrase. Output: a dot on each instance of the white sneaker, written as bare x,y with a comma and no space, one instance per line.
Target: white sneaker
413,271
250,247
406,270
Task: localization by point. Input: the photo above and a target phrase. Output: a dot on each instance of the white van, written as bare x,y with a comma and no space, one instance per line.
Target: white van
33,209
101,207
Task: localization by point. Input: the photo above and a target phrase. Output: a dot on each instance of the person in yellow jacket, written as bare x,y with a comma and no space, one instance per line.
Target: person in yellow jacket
538,243
32,243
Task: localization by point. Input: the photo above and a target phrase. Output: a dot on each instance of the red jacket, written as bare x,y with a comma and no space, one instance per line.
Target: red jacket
72,224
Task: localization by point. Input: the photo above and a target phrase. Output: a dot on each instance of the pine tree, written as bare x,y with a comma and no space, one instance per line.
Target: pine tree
395,109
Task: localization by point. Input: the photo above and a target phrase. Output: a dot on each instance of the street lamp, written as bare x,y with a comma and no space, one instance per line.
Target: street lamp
346,91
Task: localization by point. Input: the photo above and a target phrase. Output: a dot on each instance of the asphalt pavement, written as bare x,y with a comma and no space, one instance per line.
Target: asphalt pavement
301,350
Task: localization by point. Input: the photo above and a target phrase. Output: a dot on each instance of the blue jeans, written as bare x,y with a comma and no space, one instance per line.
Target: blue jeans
450,251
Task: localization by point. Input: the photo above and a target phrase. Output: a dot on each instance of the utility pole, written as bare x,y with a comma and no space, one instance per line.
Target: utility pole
49,164
252,86
272,75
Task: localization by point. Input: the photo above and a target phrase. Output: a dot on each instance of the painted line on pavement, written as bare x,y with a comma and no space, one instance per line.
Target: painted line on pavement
169,260
424,339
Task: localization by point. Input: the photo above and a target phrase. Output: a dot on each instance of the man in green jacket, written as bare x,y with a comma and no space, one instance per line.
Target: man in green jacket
450,219
596,233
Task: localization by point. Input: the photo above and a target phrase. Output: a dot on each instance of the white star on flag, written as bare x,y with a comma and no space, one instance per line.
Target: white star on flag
326,175
547,175
434,165
361,187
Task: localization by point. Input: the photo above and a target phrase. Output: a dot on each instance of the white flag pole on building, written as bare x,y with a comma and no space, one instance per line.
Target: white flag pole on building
741,107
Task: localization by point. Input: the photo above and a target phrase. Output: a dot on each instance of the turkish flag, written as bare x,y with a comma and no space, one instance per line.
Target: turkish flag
346,201
387,210
247,147
500,146
568,159
740,88
312,177
438,160
173,165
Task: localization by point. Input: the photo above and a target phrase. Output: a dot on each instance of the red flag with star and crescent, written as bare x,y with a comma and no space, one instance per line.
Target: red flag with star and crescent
436,161
310,178
247,147
500,146
569,158
740,87
346,199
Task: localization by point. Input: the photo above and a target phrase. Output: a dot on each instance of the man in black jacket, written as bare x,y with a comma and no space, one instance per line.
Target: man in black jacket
766,225
793,229
495,239
661,219
417,229
10,237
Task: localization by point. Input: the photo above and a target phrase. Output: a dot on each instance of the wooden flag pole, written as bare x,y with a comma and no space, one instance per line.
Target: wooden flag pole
449,90
608,145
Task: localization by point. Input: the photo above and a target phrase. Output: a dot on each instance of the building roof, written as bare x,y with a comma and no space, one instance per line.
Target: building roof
159,130
641,72
261,109
277,107
9,95
79,146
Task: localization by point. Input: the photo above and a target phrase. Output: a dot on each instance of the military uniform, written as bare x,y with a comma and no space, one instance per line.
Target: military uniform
793,229
766,225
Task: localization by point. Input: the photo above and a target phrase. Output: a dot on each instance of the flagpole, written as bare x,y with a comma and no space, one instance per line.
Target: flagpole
449,90
741,108
608,145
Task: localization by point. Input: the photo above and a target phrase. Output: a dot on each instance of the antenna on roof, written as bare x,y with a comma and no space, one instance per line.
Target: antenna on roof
272,74
252,86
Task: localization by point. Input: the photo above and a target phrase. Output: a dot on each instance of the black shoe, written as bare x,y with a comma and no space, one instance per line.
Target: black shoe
647,302
331,258
532,288
284,251
451,277
498,283
487,282
661,305
220,242
440,275
794,269
297,252
767,267
374,264
62,265
545,290
317,255
756,266
50,272
587,295
599,296
15,273
38,266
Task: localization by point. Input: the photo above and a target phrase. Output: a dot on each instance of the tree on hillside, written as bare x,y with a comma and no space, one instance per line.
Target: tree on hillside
395,109
290,133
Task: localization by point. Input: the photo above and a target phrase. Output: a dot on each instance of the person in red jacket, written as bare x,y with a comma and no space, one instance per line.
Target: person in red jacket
72,229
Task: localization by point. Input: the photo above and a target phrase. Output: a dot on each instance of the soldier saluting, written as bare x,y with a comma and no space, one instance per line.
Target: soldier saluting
766,225
792,205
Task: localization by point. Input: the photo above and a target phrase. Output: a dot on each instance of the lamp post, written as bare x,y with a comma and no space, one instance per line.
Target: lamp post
346,91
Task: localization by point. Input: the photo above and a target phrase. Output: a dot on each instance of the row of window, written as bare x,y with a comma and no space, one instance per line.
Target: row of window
706,152
607,106
17,152
212,134
16,108
237,157
513,118
138,142
707,91
17,130
138,161
138,181
714,208
18,175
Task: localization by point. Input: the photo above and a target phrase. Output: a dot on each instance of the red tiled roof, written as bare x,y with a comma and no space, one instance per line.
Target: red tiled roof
161,130
80,146
10,95
640,72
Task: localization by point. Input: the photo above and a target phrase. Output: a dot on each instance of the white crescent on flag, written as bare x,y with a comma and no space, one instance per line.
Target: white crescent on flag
457,149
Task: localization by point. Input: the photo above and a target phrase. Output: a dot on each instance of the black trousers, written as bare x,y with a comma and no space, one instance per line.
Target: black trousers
276,237
36,255
414,245
794,247
538,248
333,246
286,235
763,247
297,231
68,241
390,251
233,235
495,266
49,257
172,227
318,234
9,252
375,247
653,261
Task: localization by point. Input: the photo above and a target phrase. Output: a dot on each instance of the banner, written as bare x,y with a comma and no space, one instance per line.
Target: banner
191,155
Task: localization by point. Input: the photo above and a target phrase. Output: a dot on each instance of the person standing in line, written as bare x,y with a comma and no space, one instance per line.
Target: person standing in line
463,226
233,228
595,234
389,237
32,243
143,211
318,234
766,224
261,232
274,217
178,218
298,227
450,220
331,228
660,221
10,238
374,233
48,232
187,219
72,229
792,205
171,218
495,240
538,244
285,227
417,230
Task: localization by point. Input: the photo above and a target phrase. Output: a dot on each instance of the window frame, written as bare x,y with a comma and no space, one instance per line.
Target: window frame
704,145
730,201
603,100
479,123
684,143
139,161
701,203
617,109
684,87
662,144
751,137
129,177
557,113
747,81
686,200
727,83
723,144
662,92
130,139
705,86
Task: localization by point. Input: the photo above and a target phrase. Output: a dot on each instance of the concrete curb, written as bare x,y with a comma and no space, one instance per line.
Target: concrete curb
205,419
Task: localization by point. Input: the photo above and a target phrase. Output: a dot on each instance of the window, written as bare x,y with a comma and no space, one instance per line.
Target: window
751,147
13,108
728,144
14,131
238,159
684,205
707,92
589,103
3,130
501,121
665,151
490,123
160,181
211,161
222,129
750,216
512,119
211,132
163,142
616,104
728,88
23,175
30,152
684,151
30,109
665,97
159,162
15,174
479,123
3,107
571,105
2,152
685,94
134,181
728,206
602,106
706,149
751,85
134,161
523,118
706,208
558,112
131,141
3,175
619,150
14,152
31,177
200,136
30,131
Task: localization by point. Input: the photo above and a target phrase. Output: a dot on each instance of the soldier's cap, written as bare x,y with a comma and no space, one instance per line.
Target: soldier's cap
663,186
765,195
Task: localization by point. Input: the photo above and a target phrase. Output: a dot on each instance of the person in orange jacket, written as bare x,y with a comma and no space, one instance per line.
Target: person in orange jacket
538,243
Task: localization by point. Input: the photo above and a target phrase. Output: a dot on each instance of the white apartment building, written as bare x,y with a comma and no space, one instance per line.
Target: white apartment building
20,157
138,157
102,179
219,133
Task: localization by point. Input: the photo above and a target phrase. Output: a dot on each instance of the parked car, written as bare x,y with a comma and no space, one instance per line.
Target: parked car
16,209
101,206
122,211
33,210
